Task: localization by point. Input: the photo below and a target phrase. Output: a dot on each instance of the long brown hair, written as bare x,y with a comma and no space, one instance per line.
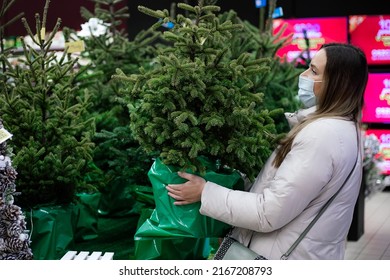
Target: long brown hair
345,78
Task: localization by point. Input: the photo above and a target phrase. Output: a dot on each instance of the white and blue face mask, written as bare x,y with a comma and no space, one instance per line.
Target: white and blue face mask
306,91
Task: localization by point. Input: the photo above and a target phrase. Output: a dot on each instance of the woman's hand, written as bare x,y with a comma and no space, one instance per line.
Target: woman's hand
188,192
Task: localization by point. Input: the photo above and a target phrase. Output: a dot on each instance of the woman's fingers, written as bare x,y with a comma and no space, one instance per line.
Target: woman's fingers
173,190
188,192
176,195
186,175
173,195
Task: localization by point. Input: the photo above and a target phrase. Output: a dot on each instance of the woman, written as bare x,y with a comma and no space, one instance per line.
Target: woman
303,173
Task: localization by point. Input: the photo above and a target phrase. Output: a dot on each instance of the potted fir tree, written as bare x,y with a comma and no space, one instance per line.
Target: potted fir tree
198,109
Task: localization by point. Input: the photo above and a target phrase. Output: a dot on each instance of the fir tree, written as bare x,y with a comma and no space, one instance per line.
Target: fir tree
42,105
111,50
5,6
198,100
117,154
280,85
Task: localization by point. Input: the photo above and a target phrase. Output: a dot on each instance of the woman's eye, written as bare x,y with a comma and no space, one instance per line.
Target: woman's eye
313,71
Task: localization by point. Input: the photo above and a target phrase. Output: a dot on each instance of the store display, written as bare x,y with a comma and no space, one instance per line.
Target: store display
377,99
308,34
372,34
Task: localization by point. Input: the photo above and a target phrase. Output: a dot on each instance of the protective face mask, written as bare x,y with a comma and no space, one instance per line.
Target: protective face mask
306,91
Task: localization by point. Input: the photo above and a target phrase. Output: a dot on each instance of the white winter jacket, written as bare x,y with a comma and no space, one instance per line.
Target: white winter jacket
283,201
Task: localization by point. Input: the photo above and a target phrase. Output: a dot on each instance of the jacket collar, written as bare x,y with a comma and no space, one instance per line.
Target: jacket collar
296,117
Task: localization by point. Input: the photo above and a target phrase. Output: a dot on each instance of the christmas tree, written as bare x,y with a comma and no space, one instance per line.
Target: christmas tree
14,239
120,162
42,104
198,100
107,47
280,84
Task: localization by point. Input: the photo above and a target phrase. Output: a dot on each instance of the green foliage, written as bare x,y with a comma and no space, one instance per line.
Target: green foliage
199,100
41,104
4,23
112,49
116,157
117,154
280,85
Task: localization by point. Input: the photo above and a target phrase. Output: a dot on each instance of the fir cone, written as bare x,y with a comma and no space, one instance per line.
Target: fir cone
14,229
11,173
8,175
7,179
15,248
17,256
2,245
9,257
3,228
3,185
11,212
22,222
24,255
15,245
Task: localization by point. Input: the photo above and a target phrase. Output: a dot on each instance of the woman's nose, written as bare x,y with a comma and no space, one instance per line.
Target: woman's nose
305,73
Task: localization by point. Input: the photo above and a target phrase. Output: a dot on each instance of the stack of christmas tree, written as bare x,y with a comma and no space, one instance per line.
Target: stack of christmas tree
120,164
44,102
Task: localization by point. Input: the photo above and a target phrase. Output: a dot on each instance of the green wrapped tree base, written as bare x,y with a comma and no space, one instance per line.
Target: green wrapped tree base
171,221
55,228
180,248
172,249
117,200
87,216
52,231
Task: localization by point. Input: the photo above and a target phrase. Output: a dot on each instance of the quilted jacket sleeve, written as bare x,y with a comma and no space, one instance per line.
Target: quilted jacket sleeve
305,171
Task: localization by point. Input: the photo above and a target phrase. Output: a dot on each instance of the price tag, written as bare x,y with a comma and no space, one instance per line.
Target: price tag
76,46
4,135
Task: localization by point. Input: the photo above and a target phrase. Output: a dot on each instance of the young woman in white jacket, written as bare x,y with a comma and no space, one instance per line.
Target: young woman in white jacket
304,172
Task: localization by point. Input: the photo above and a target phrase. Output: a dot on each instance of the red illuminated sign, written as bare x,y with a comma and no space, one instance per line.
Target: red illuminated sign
317,30
377,99
372,35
